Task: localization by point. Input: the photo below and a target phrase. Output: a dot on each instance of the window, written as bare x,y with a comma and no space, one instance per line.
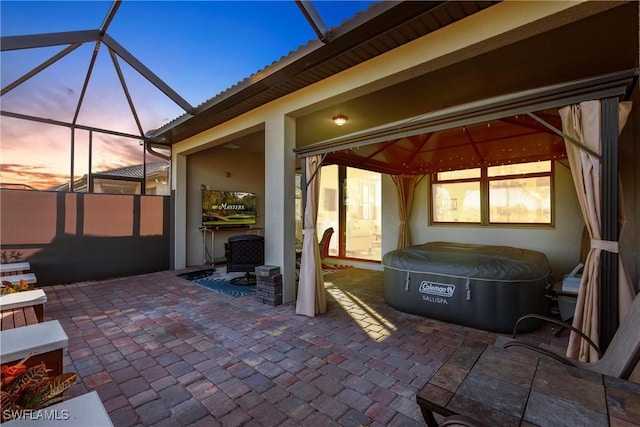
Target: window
507,194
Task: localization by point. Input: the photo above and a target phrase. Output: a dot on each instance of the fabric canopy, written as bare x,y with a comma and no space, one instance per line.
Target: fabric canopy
582,124
311,298
486,143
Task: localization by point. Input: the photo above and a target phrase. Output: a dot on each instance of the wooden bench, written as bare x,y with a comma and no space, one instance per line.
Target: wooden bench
16,271
44,341
14,279
81,411
17,317
14,268
35,298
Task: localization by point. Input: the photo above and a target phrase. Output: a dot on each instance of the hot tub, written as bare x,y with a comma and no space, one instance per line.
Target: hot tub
484,287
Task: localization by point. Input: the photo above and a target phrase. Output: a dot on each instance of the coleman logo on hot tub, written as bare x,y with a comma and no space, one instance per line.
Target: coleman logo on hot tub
439,289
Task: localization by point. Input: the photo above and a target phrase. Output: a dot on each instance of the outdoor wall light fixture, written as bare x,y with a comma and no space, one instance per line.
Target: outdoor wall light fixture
340,119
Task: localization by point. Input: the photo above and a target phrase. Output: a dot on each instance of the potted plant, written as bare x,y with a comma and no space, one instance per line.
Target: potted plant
30,389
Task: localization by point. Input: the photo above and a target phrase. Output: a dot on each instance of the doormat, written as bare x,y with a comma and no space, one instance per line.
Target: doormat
224,286
219,284
197,274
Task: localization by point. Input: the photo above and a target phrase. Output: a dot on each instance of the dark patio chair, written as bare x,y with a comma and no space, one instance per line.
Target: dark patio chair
324,243
244,253
621,356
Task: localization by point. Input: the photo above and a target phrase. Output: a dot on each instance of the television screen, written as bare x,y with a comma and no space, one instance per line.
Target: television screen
228,208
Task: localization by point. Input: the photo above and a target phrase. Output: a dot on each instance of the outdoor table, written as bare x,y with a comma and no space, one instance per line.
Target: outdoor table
510,388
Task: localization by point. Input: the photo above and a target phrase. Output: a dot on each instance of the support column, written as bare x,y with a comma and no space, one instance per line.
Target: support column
279,215
609,220
179,199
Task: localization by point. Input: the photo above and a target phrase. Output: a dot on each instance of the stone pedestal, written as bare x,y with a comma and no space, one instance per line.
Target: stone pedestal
269,285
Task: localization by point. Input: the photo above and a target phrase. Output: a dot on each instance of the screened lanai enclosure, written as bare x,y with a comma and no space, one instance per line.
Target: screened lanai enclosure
82,98
114,101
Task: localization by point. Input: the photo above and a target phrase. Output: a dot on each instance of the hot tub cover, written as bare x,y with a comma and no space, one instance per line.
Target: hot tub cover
470,261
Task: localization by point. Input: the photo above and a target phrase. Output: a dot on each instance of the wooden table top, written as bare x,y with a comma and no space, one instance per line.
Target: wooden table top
16,317
509,388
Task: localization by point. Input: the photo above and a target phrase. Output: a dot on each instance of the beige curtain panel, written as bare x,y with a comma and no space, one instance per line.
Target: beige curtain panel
405,188
582,123
311,295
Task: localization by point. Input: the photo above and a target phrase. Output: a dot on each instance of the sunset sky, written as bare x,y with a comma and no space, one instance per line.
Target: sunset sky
199,48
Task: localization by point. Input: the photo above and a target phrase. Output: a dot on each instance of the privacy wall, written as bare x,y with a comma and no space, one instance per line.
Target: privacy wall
72,237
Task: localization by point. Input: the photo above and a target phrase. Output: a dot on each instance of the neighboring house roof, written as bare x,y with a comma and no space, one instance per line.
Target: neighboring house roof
133,172
384,26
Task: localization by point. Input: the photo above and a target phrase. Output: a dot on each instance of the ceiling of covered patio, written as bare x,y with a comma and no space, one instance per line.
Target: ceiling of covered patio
516,139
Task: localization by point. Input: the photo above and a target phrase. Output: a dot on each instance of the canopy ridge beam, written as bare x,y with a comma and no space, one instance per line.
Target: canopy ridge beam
564,135
422,139
378,166
535,126
381,149
473,144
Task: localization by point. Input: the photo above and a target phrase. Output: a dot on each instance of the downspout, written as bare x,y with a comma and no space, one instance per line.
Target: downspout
149,148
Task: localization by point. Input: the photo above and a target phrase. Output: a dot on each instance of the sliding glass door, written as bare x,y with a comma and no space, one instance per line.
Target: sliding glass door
356,220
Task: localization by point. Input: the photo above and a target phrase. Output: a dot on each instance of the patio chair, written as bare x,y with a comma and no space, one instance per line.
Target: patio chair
621,356
324,243
244,253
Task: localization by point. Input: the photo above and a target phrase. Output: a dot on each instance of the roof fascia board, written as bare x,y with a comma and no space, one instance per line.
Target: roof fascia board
312,54
608,85
49,39
379,18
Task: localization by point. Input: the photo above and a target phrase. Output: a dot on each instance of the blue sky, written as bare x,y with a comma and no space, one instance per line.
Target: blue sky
199,48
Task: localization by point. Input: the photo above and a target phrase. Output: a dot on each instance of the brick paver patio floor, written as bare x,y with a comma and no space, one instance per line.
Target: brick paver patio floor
163,351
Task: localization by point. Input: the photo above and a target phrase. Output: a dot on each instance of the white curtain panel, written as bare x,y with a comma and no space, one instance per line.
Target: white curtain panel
311,295
582,122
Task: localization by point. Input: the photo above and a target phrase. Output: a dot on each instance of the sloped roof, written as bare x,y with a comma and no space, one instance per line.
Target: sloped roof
384,26
133,172
136,171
